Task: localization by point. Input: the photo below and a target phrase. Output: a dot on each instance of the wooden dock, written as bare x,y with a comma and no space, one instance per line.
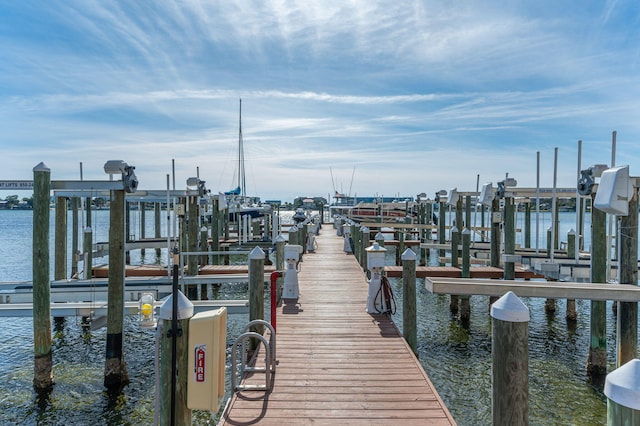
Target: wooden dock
336,363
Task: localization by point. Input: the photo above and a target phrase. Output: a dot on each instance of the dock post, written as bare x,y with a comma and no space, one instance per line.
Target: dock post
496,220
293,235
193,227
115,369
509,238
171,408
127,230
627,325
400,247
42,356
527,224
366,239
143,225
571,314
597,357
467,212
622,388
280,243
60,267
571,244
510,361
87,243
215,229
455,236
455,242
409,328
156,228
74,236
256,291
465,302
442,219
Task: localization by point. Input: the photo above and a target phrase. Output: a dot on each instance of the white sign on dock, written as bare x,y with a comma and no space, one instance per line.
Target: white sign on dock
16,184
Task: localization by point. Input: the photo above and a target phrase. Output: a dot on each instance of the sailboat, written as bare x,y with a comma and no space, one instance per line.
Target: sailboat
239,202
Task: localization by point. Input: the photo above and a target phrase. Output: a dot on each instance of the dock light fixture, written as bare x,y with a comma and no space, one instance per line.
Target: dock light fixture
129,179
146,311
587,178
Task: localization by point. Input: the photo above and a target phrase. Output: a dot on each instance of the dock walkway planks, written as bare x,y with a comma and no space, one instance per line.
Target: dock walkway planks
336,363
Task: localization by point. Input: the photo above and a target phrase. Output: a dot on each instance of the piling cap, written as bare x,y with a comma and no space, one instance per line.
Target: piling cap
622,385
510,308
256,253
185,308
408,254
280,239
41,167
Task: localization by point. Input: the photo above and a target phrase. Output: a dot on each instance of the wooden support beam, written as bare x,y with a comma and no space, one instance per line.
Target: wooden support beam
555,290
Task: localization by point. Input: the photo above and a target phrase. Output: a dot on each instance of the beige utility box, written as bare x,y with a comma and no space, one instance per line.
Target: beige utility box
207,357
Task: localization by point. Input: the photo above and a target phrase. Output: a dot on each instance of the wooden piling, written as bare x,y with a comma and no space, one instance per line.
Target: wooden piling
627,326
510,361
455,236
156,227
527,225
256,291
496,220
115,371
172,407
597,357
87,242
571,314
442,219
75,243
465,302
409,322
60,255
42,356
509,238
366,240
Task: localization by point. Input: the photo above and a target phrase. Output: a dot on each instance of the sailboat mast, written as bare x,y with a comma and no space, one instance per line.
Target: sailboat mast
241,175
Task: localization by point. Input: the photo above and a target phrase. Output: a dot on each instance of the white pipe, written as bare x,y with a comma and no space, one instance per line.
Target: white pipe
553,202
537,202
578,228
611,218
168,230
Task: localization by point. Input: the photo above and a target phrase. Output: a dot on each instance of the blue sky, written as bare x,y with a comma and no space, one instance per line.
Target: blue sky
417,96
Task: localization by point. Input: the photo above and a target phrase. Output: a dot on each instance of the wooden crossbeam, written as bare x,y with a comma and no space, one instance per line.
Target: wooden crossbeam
545,289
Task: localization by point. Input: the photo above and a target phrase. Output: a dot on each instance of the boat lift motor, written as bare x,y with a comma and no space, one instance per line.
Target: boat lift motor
290,289
375,263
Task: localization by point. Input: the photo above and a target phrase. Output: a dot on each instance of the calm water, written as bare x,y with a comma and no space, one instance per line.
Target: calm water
457,359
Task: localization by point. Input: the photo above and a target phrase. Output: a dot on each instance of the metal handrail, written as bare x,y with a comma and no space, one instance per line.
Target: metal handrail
243,338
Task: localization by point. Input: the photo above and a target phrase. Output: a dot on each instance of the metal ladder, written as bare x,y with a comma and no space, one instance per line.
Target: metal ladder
270,357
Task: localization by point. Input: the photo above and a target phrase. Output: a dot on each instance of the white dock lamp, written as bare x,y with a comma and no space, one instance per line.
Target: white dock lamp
375,264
